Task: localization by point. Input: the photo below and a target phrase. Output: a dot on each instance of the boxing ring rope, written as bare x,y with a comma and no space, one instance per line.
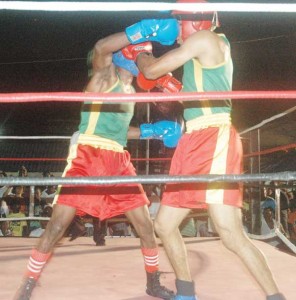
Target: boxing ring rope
146,6
260,125
148,179
264,122
64,159
263,152
143,97
271,150
153,179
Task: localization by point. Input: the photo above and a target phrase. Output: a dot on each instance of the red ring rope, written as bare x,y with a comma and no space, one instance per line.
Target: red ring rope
143,97
263,152
64,159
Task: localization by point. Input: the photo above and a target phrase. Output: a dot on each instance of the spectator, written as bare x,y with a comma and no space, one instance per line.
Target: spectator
23,172
4,208
269,200
39,204
153,194
18,194
119,229
292,225
204,227
268,227
292,199
188,228
48,194
268,223
4,190
38,208
46,213
100,231
78,228
284,207
17,228
46,174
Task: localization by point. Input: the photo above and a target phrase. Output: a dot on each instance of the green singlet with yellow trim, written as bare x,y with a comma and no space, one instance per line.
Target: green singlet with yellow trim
197,78
108,120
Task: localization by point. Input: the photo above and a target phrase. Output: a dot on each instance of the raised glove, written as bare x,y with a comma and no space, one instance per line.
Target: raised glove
132,51
166,83
168,131
163,31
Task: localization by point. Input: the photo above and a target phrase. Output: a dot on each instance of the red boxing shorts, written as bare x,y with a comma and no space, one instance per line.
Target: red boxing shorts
214,150
101,201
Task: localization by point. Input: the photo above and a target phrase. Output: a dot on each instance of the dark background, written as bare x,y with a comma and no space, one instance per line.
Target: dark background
46,52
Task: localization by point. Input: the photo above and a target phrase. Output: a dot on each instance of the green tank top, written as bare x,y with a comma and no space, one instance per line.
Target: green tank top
197,78
108,120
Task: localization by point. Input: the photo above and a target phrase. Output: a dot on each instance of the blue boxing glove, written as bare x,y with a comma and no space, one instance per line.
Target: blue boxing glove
163,31
121,61
125,58
168,131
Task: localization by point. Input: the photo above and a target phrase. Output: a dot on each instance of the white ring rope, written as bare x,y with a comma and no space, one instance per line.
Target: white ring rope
147,6
25,219
148,179
285,240
262,237
266,121
276,233
60,137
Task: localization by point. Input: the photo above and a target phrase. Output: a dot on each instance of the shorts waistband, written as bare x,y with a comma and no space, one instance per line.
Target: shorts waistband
214,120
99,142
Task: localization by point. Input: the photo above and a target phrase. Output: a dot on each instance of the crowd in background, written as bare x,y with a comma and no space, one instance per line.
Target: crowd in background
287,211
270,215
15,203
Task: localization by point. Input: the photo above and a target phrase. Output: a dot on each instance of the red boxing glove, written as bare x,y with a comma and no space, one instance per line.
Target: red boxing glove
166,83
169,84
132,51
144,83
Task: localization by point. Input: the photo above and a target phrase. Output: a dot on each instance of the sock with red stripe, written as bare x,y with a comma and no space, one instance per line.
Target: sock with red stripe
151,259
36,263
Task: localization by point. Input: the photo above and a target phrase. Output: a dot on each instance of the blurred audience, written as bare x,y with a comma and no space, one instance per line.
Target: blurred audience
46,213
48,194
17,228
153,193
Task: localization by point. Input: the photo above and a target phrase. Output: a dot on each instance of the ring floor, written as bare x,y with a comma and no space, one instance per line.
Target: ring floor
79,270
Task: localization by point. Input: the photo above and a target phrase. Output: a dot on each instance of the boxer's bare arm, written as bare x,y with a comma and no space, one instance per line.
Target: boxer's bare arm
206,46
104,75
103,49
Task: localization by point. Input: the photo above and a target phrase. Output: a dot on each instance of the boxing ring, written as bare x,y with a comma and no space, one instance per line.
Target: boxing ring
79,270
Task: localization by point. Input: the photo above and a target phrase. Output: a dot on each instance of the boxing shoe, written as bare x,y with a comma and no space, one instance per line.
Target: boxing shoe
155,289
181,297
25,290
